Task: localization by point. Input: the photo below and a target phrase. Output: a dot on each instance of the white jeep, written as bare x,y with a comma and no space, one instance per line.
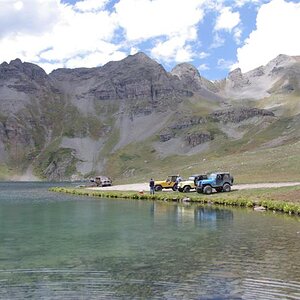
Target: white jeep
190,184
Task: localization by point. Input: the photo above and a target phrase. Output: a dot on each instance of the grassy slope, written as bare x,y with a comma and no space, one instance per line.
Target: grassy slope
5,172
246,158
265,165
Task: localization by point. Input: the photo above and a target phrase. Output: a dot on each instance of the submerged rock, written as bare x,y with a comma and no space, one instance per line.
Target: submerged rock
259,208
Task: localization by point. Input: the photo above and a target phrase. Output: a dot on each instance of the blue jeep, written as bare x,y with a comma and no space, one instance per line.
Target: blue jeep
221,182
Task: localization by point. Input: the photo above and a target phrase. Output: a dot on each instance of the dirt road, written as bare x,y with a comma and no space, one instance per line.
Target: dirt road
145,186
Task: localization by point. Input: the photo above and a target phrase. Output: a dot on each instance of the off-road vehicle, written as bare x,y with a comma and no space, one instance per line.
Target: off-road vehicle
190,184
169,183
220,182
101,181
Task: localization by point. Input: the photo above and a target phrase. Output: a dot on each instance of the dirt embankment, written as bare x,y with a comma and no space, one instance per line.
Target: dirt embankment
145,186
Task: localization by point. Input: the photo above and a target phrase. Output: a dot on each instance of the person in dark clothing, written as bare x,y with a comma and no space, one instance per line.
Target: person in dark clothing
151,184
178,179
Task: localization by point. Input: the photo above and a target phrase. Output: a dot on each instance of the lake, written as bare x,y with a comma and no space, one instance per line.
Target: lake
59,246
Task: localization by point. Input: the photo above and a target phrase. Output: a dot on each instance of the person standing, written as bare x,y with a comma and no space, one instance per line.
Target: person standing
178,179
151,184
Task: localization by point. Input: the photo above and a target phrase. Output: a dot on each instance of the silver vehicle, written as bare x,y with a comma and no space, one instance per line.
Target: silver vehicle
102,181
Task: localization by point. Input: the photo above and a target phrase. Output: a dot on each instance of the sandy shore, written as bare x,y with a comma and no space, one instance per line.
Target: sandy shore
145,186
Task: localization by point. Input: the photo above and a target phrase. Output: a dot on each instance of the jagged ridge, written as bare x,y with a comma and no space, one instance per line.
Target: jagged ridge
75,122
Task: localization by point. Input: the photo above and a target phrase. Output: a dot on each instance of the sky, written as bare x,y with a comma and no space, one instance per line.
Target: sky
216,36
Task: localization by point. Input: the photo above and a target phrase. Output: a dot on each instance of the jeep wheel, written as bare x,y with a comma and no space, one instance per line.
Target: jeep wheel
207,190
199,190
226,187
187,189
158,188
174,187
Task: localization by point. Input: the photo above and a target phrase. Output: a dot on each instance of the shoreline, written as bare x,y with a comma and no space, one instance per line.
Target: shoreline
144,186
259,199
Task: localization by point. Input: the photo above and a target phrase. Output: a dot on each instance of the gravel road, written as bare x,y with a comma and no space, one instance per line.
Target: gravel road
145,186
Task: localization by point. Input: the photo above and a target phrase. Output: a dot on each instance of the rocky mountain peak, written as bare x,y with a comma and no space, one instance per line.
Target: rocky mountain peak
185,70
281,59
4,64
235,75
17,68
280,75
138,59
279,63
72,119
237,79
141,56
191,79
16,62
188,75
136,77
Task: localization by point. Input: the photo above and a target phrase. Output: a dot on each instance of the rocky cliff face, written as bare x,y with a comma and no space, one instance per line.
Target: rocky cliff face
75,122
136,77
191,79
279,75
237,115
28,100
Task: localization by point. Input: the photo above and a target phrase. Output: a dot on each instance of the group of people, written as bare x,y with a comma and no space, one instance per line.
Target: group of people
152,184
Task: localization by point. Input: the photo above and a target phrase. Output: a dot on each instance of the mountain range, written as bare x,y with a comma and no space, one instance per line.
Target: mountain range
132,120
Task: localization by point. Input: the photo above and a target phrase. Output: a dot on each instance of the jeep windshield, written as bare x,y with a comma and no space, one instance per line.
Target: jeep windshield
212,176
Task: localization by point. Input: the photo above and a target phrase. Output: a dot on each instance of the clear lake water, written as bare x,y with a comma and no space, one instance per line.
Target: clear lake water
60,246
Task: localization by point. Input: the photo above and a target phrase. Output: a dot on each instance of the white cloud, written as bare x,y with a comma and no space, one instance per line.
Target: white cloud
77,30
61,35
176,47
173,49
225,64
90,5
184,54
143,19
218,41
277,30
237,33
18,5
134,50
203,55
48,67
227,19
203,67
240,3
27,17
95,58
50,32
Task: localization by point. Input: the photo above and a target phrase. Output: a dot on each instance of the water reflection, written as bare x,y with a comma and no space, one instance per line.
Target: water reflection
209,215
56,246
184,213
